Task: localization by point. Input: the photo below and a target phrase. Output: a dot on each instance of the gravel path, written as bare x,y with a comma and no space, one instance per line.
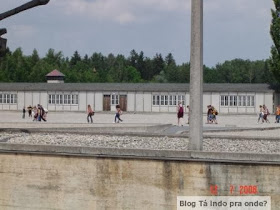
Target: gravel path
137,142
274,133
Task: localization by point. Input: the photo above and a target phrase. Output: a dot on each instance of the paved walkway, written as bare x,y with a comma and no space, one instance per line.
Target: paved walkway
227,123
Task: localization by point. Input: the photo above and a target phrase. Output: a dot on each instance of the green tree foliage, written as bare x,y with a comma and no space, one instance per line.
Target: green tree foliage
275,35
16,67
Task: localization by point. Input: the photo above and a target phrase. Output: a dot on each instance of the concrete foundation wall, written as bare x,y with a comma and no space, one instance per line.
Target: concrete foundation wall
30,181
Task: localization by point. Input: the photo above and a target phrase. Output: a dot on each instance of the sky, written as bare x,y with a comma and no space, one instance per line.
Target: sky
232,28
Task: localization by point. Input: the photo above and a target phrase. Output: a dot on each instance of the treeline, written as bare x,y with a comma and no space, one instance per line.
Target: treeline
16,67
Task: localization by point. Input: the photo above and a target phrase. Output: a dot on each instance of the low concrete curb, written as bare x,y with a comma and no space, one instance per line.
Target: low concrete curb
238,158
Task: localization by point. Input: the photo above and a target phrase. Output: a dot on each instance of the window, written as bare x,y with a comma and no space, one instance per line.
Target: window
164,100
155,100
181,98
67,99
59,99
8,98
51,99
234,100
63,99
172,100
248,100
252,100
75,99
240,100
224,100
12,98
115,99
244,101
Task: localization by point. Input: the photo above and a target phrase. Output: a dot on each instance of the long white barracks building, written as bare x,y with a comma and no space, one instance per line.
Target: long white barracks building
133,97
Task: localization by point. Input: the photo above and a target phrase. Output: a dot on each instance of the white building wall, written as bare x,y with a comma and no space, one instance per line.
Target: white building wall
207,99
35,99
140,101
21,100
269,102
90,99
215,101
242,110
98,101
44,98
13,107
260,100
131,102
187,99
7,107
147,102
28,99
82,101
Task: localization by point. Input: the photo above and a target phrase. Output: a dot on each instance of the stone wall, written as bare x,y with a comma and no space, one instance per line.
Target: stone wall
72,181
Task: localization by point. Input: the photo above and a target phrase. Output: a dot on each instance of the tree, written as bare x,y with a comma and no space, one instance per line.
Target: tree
158,65
171,71
75,58
275,35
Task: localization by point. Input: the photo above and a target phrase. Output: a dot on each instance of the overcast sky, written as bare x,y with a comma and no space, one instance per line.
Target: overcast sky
232,28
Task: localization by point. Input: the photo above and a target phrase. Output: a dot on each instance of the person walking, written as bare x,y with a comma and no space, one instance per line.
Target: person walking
29,108
180,113
214,114
23,113
260,114
89,114
118,113
209,114
35,113
265,114
41,113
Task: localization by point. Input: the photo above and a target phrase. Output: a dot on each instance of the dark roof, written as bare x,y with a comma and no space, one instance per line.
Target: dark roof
146,87
55,73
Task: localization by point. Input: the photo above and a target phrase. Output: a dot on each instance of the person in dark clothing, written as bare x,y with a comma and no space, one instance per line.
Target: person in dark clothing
118,113
23,113
89,114
180,113
41,113
29,108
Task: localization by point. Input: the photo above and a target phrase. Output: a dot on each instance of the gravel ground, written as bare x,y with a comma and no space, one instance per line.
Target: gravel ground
274,133
136,142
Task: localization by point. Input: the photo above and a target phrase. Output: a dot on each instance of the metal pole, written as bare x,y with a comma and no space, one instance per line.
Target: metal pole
196,77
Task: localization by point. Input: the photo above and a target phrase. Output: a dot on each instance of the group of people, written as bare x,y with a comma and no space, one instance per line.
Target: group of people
211,114
38,113
90,113
264,113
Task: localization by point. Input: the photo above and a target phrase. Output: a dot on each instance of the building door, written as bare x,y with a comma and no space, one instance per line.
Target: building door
106,103
123,102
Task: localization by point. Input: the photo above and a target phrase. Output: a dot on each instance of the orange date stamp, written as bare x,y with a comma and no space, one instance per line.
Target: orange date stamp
233,189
